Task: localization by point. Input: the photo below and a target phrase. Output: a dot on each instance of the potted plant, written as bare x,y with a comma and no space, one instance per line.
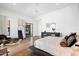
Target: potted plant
2,39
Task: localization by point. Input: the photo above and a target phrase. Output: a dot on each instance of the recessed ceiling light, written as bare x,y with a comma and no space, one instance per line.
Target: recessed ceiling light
14,4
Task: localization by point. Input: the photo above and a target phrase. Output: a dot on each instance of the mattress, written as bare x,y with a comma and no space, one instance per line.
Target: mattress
52,46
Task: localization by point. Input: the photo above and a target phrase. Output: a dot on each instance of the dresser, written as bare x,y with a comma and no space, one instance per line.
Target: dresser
53,34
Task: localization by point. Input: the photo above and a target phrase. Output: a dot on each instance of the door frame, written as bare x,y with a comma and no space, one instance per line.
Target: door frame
31,28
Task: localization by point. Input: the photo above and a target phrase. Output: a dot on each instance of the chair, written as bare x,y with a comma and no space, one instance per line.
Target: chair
4,51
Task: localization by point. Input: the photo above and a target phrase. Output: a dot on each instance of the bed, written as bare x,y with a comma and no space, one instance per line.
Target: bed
51,46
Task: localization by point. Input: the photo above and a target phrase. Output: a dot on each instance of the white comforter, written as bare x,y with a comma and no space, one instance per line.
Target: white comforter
52,46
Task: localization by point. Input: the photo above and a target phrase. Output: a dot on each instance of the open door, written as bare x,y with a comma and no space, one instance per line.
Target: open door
29,30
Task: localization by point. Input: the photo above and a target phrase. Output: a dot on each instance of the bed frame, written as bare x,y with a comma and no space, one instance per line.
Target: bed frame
39,52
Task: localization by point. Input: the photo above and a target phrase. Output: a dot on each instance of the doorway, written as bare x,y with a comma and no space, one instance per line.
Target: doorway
28,30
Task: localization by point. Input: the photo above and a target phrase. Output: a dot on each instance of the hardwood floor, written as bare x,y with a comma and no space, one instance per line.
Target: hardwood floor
20,49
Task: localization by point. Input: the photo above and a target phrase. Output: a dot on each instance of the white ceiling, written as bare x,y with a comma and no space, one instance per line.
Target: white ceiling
33,9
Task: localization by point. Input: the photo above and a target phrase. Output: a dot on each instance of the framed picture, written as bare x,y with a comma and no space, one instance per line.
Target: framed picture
51,25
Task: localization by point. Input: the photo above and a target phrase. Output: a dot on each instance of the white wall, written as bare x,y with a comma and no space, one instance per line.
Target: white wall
66,19
13,28
35,26
14,17
3,25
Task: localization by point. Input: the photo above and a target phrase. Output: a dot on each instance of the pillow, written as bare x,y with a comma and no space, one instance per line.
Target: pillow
77,36
68,41
77,33
66,37
71,39
63,43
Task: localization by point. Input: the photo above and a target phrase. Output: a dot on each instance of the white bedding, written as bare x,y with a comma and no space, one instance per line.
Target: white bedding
52,46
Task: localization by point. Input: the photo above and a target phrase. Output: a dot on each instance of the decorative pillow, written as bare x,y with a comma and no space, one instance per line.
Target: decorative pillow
63,43
66,37
68,41
77,36
71,39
